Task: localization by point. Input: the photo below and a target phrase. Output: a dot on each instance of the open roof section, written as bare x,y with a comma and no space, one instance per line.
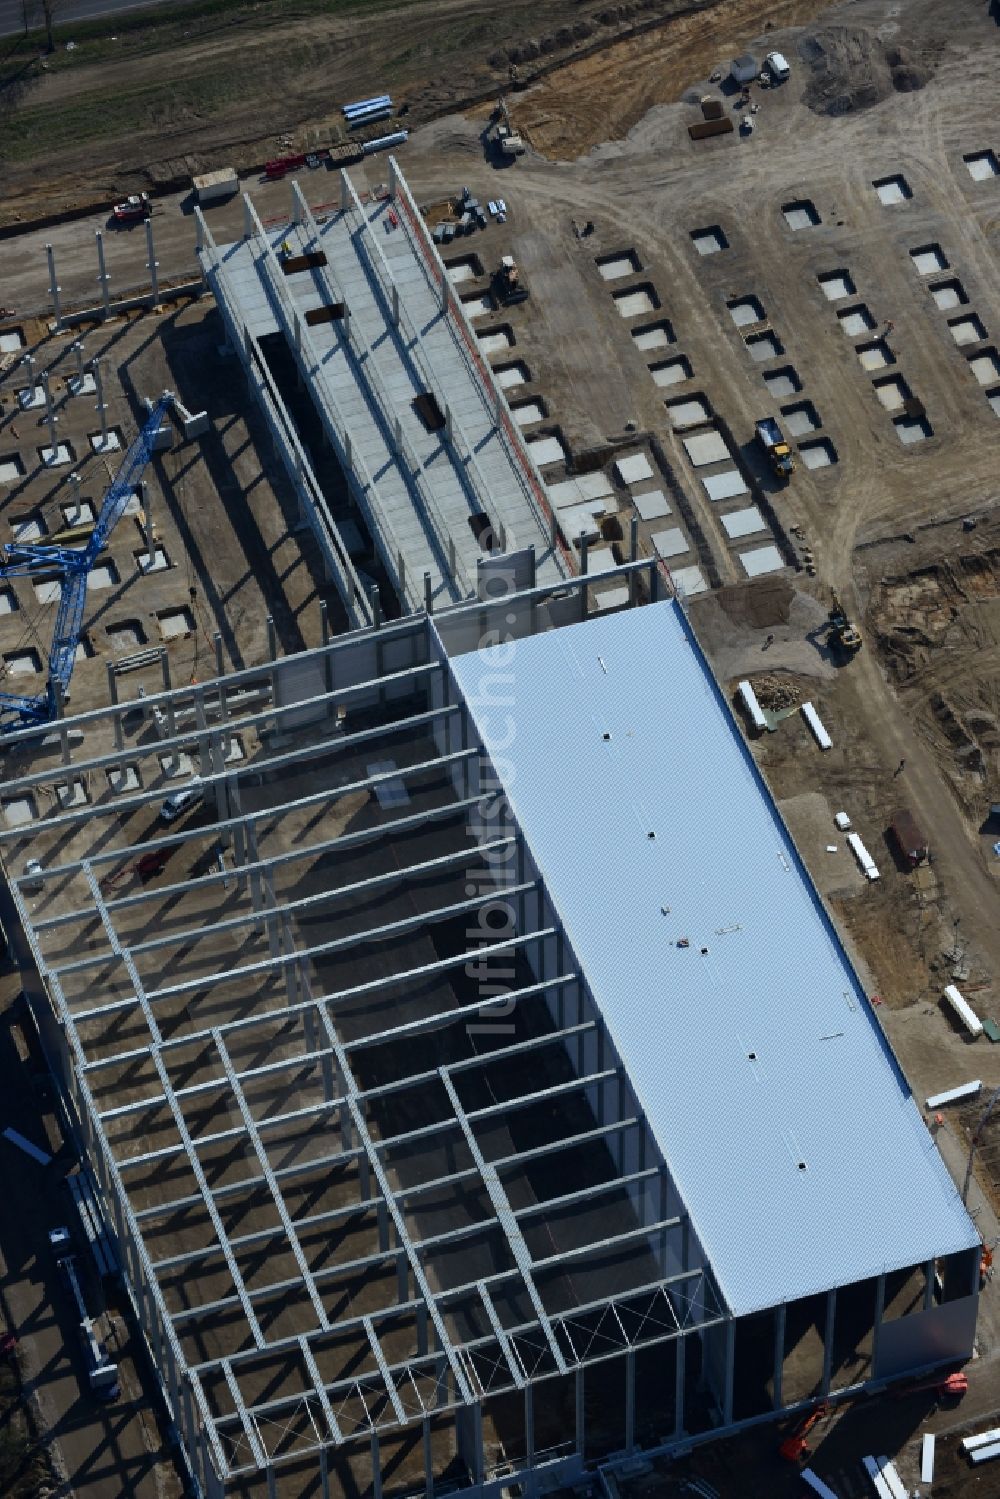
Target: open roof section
438,468
775,1098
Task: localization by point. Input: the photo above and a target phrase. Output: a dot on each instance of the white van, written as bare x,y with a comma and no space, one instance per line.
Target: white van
778,66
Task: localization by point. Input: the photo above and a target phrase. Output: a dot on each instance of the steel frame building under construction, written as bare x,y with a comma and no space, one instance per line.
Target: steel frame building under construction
463,1111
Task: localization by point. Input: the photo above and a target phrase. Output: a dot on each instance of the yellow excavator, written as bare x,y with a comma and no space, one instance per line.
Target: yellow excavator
844,633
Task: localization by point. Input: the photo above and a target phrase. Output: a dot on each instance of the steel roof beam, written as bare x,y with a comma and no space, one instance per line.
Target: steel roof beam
392,827
373,986
266,966
322,1163
273,1188
191,936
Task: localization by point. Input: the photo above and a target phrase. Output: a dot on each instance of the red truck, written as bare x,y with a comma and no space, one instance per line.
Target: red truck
132,210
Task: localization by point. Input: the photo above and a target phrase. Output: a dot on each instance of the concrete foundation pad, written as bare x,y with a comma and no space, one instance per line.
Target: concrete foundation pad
671,371
724,486
762,346
783,382
623,263
509,375
856,321
818,454
929,258
967,330
891,190
651,505
709,241
746,310
801,214
546,450
634,303
11,469
892,391
31,397
875,355
911,430
657,336
761,560
689,581
801,418
837,284
634,468
688,413
53,457
670,543
743,522
705,447
612,598
601,560
985,366
982,165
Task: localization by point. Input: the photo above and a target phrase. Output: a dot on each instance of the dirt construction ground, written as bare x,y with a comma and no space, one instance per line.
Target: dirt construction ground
837,267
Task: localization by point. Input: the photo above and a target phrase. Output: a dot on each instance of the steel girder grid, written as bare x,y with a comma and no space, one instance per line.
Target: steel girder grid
442,1373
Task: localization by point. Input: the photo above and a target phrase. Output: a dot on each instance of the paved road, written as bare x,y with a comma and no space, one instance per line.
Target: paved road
12,11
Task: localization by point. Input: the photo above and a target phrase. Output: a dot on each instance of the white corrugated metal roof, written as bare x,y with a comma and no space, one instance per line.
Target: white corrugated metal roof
764,973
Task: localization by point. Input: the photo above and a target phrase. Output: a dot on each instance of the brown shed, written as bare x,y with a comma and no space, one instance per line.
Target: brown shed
909,836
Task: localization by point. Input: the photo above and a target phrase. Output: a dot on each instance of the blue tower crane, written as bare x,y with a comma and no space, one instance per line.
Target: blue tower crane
75,564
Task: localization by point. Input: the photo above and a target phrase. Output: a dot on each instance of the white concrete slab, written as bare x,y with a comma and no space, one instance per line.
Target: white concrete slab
982,166
724,486
761,560
651,338
671,372
893,190
929,259
670,543
837,284
601,560
10,470
495,343
546,450
633,468
688,580
633,303
708,241
651,504
511,375
621,265
985,367
477,307
612,598
743,522
688,413
705,447
875,357
946,296
968,330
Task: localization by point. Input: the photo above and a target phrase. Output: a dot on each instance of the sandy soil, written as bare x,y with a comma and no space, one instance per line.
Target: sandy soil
601,97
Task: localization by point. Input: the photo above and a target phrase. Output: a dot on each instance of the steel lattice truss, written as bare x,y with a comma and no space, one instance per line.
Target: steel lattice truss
346,1199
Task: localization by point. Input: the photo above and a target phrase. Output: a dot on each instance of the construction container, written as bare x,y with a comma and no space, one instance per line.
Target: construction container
211,187
712,108
702,128
909,838
963,1010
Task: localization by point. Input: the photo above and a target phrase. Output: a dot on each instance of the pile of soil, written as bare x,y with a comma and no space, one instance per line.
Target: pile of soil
848,69
758,605
851,70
